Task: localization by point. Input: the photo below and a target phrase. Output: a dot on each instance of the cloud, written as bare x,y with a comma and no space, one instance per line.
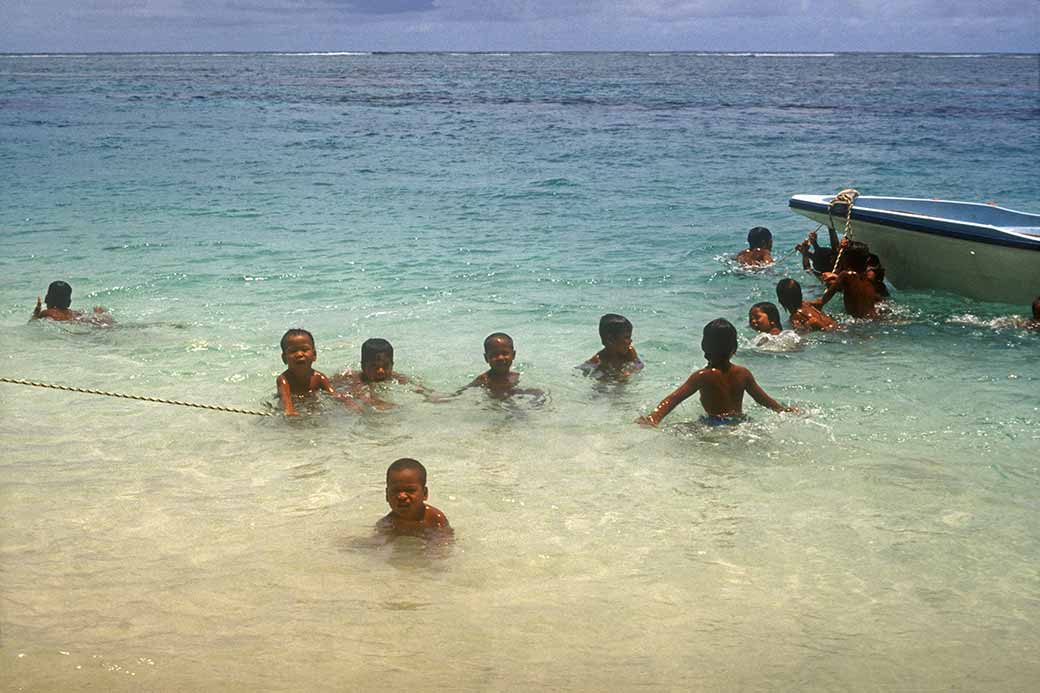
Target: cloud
386,6
892,25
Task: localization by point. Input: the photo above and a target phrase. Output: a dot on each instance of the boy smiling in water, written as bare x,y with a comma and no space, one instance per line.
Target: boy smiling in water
499,380
764,317
406,494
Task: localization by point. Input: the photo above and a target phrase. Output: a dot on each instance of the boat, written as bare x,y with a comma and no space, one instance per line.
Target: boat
977,250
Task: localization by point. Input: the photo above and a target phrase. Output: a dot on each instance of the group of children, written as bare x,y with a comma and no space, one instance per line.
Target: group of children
847,267
850,270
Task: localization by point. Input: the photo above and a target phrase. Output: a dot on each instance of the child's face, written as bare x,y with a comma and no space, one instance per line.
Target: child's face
405,493
499,354
759,321
377,368
299,353
618,343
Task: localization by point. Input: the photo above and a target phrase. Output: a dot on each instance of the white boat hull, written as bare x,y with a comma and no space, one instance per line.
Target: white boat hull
933,259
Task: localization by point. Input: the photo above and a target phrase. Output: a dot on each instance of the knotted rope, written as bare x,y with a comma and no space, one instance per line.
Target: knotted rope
846,197
159,400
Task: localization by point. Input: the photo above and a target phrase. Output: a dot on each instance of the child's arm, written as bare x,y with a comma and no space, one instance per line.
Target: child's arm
38,310
759,395
673,400
285,394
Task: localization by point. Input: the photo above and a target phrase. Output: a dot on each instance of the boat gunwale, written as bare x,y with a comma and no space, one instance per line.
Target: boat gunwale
922,223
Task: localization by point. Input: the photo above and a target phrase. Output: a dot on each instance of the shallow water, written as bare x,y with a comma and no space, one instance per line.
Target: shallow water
884,539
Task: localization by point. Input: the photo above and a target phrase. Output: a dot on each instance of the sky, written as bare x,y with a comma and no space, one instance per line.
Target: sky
950,26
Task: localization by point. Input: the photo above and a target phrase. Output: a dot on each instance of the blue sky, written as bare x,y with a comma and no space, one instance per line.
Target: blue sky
957,26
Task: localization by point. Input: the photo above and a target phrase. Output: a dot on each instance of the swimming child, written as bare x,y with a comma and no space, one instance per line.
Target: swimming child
859,294
1034,323
299,378
406,493
721,384
377,366
760,245
499,381
764,317
59,298
805,317
618,357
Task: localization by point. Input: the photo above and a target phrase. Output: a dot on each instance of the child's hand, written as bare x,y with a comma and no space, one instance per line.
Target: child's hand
39,306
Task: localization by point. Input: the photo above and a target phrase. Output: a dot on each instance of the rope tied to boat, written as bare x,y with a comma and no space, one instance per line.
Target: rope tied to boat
159,400
846,197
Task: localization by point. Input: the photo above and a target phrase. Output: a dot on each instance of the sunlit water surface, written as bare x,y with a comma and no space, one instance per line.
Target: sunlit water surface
884,539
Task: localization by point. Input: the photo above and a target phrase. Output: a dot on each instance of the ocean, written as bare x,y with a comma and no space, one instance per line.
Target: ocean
886,538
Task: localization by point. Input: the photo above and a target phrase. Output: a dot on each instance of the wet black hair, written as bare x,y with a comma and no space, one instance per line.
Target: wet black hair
823,259
371,348
789,293
407,463
294,332
769,309
497,335
857,254
1036,308
59,295
611,325
719,341
759,237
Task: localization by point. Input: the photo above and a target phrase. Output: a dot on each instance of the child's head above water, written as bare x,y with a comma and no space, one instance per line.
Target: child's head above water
377,359
59,295
293,335
298,351
856,256
499,352
760,237
764,317
789,293
1036,308
614,328
406,489
719,342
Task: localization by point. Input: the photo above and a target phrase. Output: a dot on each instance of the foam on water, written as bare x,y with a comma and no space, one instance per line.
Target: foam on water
884,538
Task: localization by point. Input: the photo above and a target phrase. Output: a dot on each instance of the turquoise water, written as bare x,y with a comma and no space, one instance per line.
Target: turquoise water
885,539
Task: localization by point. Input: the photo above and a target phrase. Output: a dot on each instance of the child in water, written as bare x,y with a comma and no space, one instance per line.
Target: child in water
406,493
299,379
859,292
760,245
721,384
1034,323
377,366
805,317
818,259
499,381
618,357
59,298
764,317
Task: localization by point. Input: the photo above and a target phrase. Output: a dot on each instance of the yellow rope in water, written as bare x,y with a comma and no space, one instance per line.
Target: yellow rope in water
845,197
159,400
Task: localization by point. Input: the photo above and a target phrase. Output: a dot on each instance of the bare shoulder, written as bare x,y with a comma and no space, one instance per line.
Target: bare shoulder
434,518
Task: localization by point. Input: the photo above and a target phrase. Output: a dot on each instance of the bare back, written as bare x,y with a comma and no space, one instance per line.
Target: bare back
859,295
721,389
